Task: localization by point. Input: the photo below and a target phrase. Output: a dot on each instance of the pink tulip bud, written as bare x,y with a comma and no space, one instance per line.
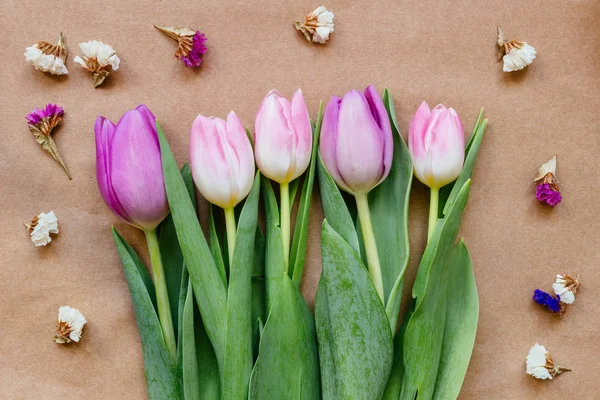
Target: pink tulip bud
129,168
436,141
282,137
356,141
221,160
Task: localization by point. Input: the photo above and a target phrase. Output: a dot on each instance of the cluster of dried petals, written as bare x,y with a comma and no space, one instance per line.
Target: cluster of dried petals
548,301
69,326
541,365
566,288
41,123
41,227
191,47
99,59
317,25
547,185
48,57
516,54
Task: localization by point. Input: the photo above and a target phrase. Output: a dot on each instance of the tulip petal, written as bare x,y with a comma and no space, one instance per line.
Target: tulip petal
328,141
136,168
383,121
104,132
417,130
303,130
273,140
239,142
360,144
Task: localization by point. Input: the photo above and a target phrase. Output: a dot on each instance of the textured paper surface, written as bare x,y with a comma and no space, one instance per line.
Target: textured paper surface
439,51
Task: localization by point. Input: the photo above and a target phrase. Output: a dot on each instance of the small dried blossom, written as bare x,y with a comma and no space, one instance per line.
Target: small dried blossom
41,227
566,288
191,44
99,59
541,365
547,185
550,302
317,25
41,123
516,54
48,57
69,326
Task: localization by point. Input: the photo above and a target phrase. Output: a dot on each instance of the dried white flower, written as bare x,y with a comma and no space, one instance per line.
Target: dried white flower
48,57
318,24
541,365
69,326
566,287
41,227
99,58
516,54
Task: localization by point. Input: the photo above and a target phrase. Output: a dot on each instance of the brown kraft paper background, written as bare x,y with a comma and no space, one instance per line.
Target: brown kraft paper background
439,51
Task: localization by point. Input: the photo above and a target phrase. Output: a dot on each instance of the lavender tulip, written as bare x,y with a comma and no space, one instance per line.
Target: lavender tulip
356,141
129,168
130,179
357,148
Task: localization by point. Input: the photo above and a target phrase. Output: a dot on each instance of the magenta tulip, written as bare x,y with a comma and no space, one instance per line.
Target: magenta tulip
436,141
356,140
222,160
129,168
283,137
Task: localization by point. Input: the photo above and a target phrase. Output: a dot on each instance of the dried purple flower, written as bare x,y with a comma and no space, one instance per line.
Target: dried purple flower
547,300
191,44
41,123
547,190
546,194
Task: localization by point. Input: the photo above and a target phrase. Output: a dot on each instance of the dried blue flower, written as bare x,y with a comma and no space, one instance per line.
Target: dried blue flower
547,300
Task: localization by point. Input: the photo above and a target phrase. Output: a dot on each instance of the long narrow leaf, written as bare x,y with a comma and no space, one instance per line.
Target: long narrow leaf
208,284
171,253
162,378
388,203
144,275
462,312
274,264
425,330
258,290
355,340
238,348
394,384
215,245
298,250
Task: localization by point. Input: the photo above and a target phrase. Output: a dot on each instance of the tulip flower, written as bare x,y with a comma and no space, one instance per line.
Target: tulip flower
357,149
222,163
282,148
436,141
130,179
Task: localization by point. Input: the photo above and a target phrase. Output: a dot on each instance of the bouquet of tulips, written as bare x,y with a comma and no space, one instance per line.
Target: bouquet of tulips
221,315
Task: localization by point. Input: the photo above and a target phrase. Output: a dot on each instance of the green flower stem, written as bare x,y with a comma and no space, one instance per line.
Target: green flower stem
231,232
162,296
434,200
284,192
366,226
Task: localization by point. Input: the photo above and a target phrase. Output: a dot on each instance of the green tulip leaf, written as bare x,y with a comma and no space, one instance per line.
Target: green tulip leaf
200,369
335,208
424,335
288,365
298,249
462,313
355,340
215,244
171,253
274,263
162,377
208,285
388,203
258,290
238,349
394,384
